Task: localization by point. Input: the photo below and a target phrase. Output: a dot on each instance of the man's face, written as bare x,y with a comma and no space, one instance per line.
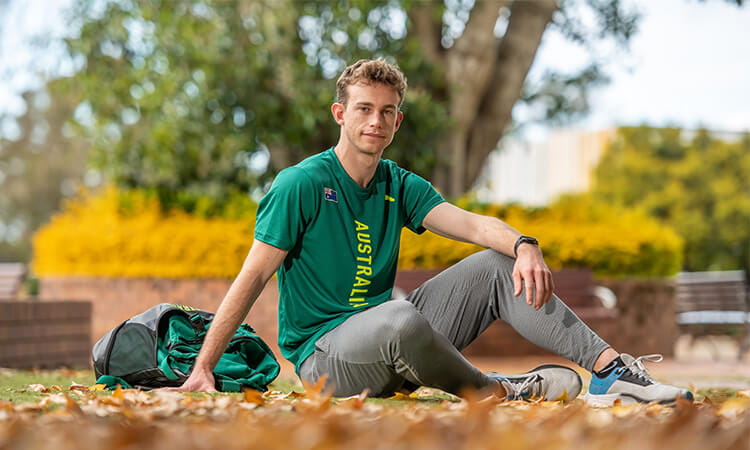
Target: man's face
370,118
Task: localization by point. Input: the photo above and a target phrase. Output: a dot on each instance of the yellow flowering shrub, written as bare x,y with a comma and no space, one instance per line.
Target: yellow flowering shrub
573,232
112,234
127,234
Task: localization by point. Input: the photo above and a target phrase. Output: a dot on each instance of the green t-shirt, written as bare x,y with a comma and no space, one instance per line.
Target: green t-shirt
342,239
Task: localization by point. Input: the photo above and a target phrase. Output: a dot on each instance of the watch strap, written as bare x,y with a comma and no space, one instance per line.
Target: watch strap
524,240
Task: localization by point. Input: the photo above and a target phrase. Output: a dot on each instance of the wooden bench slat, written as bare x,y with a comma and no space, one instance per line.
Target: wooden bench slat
714,302
713,317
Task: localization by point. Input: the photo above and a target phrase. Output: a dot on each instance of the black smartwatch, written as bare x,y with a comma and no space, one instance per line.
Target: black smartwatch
524,240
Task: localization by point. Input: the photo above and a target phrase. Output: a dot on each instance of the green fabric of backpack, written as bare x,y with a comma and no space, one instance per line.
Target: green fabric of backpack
158,348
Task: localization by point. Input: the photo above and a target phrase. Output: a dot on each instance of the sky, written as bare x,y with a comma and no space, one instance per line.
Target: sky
688,66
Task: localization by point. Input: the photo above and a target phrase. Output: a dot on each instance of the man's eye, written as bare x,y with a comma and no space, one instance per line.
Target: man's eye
364,108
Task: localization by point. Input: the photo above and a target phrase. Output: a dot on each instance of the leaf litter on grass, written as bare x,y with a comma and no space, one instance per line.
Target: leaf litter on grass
76,418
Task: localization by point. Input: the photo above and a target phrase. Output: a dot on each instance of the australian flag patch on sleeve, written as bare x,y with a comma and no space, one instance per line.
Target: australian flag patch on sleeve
330,195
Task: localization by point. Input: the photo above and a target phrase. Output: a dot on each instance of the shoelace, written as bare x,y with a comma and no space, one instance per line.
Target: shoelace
514,391
639,369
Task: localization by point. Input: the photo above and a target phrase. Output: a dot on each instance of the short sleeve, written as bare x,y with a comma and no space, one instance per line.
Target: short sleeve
418,198
286,209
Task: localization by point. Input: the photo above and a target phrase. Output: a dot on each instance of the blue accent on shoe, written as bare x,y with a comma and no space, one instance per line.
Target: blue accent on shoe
600,386
497,377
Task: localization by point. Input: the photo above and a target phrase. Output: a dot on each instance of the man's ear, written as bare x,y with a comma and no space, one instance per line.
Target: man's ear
399,118
337,110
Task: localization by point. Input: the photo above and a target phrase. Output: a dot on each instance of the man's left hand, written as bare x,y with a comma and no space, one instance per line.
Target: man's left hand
531,272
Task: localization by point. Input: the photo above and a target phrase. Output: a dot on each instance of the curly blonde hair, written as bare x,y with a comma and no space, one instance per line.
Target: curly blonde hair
369,71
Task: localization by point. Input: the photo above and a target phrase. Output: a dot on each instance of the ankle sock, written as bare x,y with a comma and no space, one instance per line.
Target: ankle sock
617,362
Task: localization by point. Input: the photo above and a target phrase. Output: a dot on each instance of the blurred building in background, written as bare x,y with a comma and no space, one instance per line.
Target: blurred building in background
535,173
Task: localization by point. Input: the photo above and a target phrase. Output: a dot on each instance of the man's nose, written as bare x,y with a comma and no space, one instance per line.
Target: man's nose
376,120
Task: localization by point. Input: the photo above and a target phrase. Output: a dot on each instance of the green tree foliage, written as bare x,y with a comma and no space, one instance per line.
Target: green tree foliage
38,168
694,182
192,98
195,99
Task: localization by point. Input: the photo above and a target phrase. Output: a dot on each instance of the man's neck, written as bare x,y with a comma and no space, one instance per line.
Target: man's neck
359,166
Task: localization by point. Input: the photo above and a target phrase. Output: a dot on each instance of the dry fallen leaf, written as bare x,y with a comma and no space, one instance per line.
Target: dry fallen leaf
253,396
733,407
38,388
355,401
318,389
73,419
118,393
78,387
72,407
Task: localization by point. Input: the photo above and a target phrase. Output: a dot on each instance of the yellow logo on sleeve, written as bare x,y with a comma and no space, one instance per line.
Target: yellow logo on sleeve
389,198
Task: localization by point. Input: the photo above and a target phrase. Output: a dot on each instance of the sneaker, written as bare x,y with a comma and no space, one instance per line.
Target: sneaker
547,382
628,380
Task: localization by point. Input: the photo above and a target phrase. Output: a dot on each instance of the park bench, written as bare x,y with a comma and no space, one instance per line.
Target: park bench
11,279
714,303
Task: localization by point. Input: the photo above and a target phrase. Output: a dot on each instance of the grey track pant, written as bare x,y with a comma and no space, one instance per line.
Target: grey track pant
417,340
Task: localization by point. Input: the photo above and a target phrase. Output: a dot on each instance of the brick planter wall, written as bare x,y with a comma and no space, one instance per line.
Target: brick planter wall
643,322
117,299
45,334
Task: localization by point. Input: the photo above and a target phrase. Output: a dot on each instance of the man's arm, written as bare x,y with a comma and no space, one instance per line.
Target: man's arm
260,264
489,232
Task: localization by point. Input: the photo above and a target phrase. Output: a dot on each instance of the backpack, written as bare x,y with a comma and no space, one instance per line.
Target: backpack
158,347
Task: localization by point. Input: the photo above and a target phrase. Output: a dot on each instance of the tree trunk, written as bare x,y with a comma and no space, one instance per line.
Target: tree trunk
516,54
485,78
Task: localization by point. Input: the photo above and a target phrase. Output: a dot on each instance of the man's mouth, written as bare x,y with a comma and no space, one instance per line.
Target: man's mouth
374,135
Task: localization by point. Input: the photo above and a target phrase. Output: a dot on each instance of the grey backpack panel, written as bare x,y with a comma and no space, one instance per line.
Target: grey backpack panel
137,334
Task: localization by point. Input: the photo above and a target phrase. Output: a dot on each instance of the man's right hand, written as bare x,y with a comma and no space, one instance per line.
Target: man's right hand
198,381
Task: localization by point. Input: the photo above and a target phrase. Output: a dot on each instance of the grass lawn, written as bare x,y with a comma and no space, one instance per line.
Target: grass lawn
39,409
14,387
14,383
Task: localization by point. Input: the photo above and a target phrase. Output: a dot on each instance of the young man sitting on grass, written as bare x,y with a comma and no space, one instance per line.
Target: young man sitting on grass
330,226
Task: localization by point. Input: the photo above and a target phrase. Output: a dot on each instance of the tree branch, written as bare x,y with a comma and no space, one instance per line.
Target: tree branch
469,67
428,31
527,23
471,60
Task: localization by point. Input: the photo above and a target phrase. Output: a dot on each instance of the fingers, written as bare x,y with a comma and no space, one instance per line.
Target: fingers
186,388
529,282
545,287
538,285
536,280
540,289
517,282
550,285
